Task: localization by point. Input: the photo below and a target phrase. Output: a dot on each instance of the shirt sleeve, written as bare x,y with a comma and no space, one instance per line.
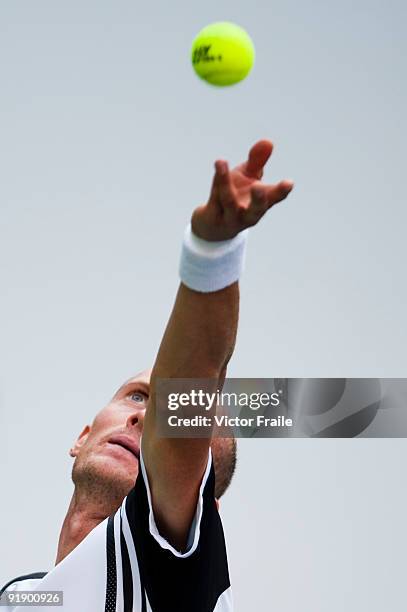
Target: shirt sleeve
171,580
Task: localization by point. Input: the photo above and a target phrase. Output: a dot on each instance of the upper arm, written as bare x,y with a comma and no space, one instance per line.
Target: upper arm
175,469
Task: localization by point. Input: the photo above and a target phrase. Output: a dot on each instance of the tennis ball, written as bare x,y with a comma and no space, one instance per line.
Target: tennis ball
222,54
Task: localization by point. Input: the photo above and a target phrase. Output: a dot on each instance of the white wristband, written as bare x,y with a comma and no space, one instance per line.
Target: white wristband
210,266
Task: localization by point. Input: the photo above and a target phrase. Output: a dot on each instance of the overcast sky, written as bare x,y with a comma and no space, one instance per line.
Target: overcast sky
107,144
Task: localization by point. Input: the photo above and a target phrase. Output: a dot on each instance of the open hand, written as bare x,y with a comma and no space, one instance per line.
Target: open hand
238,198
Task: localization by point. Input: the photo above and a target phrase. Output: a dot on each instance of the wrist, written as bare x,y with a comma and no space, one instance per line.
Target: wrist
210,233
208,266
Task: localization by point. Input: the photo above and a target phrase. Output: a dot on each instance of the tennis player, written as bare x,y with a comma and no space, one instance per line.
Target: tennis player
142,531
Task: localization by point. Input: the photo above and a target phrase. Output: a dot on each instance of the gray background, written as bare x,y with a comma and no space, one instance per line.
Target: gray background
107,144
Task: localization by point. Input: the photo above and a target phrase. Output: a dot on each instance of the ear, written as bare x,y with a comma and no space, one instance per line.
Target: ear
83,436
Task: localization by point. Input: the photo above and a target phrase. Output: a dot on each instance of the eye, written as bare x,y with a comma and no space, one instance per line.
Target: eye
138,397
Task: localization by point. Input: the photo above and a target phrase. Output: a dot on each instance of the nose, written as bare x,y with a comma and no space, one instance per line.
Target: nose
136,419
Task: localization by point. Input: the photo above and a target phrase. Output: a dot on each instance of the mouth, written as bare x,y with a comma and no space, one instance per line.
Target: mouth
128,444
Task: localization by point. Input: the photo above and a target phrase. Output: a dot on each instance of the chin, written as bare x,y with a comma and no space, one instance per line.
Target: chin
98,472
117,474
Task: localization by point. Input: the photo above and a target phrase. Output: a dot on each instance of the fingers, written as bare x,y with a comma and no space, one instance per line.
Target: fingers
258,157
278,192
264,197
222,188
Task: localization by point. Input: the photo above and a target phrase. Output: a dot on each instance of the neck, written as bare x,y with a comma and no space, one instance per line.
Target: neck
84,514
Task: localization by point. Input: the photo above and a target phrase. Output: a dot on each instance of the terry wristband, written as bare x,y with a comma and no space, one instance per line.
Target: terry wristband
210,266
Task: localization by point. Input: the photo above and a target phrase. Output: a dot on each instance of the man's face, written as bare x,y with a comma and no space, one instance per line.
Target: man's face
106,453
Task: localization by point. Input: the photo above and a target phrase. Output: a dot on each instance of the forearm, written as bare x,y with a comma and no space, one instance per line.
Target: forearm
200,335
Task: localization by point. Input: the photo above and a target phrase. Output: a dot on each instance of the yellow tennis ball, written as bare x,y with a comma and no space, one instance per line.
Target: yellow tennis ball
222,54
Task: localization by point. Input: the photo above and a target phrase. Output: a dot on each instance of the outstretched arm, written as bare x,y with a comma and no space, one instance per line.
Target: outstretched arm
200,337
